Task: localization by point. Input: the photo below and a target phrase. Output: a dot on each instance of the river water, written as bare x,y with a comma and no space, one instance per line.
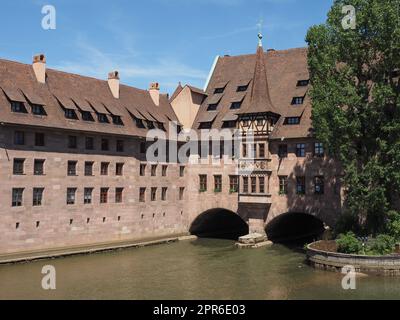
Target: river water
201,269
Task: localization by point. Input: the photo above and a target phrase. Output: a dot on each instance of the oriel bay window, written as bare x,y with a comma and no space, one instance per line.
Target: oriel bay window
217,183
319,185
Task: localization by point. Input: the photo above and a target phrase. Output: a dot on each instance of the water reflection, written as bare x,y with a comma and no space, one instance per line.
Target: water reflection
202,269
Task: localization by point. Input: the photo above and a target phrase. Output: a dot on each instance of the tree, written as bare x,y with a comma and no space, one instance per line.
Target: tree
356,104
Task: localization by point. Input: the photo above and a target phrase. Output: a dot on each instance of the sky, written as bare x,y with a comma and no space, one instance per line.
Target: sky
163,41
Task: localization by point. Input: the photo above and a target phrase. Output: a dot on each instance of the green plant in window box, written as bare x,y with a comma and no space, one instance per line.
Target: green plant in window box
233,190
282,193
217,190
202,190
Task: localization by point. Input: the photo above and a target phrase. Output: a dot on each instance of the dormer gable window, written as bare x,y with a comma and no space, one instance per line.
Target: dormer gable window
303,83
117,120
150,125
160,126
38,110
292,120
219,90
139,123
87,116
205,125
242,88
102,118
212,107
297,100
18,107
236,105
70,114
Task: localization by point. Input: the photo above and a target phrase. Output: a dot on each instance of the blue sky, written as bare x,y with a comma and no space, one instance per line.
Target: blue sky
153,40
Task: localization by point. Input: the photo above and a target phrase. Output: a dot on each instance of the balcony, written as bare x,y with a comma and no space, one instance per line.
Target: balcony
256,198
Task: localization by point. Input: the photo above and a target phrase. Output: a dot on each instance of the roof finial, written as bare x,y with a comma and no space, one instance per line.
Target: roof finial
260,35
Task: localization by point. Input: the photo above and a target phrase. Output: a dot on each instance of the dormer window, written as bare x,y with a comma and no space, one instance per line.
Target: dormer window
205,125
160,126
102,118
236,105
297,100
18,107
117,120
150,125
242,88
38,110
219,90
87,116
292,120
303,83
229,124
212,107
70,114
139,123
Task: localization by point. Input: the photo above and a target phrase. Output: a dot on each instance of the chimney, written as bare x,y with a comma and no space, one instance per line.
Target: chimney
113,83
155,93
39,67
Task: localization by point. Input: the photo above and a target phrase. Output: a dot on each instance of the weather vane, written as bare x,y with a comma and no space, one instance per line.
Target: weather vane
260,25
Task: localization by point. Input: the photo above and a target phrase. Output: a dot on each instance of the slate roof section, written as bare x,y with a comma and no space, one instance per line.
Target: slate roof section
74,91
284,68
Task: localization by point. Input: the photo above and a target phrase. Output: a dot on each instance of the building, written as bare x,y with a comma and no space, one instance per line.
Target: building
73,155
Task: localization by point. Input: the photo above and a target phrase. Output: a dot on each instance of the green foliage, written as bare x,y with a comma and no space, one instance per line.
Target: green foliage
394,225
382,245
348,243
356,105
347,222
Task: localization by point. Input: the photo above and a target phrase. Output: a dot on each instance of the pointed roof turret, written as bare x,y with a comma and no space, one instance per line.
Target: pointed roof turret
260,98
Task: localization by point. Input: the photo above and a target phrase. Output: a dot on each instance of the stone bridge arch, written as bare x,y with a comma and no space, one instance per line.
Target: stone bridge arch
219,223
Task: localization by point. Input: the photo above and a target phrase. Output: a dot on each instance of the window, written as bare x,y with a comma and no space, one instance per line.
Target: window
38,110
103,195
181,171
303,83
233,184
18,107
71,196
17,194
253,185
219,90
142,195
87,116
300,150
301,185
153,194
203,183
117,120
245,123
217,183
244,148
164,171
142,170
120,146
261,150
38,167
212,107
297,100
242,88
18,167
260,122
261,184
119,168
319,149
229,124
236,105
181,193
37,196
89,168
283,151
89,143
205,125
143,147
71,170
104,145
283,185
39,139
72,142
118,195
70,114
150,125
245,185
87,195
292,120
19,138
102,118
104,168
164,193
319,185
153,170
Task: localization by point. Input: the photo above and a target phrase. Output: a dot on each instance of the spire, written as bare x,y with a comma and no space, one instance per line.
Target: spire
260,98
